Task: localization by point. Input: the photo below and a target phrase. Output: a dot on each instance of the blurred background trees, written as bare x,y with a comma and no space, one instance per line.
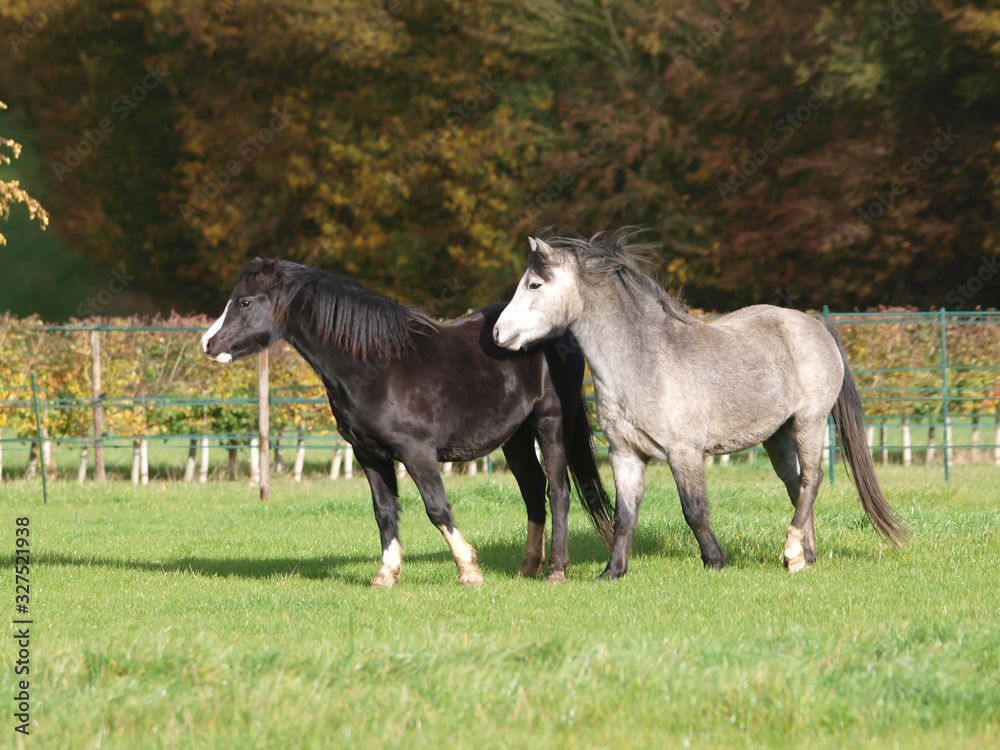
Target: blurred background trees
841,153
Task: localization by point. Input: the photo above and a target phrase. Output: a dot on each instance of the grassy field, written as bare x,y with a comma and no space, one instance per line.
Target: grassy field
173,616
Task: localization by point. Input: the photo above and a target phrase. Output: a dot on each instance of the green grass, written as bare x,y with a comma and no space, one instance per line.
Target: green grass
175,616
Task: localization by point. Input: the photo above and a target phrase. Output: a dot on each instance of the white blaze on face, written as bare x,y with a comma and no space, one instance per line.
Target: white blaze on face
216,327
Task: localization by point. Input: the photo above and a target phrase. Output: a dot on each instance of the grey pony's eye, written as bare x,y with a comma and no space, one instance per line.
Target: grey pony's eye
534,285
246,302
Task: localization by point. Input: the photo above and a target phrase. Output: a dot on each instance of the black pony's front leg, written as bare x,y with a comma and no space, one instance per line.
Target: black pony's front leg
382,480
424,470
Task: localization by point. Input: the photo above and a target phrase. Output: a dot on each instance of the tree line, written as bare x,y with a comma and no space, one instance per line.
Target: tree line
790,152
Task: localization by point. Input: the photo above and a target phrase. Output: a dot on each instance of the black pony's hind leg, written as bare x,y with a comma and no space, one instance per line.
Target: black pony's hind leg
382,480
520,454
550,437
423,469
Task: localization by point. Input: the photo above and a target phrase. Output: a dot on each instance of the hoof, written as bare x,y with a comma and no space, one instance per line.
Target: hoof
471,577
556,576
715,564
386,578
531,569
794,557
610,575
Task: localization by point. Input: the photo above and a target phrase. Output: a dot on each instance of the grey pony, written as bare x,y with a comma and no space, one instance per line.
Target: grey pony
673,387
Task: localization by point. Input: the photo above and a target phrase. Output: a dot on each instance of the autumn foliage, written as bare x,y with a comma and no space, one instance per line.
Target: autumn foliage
782,151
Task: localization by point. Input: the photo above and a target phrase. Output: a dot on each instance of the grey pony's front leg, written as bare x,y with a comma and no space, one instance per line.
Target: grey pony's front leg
630,482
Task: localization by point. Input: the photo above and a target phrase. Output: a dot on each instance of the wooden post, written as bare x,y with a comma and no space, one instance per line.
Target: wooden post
38,425
996,442
81,474
135,462
203,468
300,455
907,450
255,461
264,424
750,456
189,465
871,439
1,455
95,384
336,461
448,468
144,462
825,455
401,470
884,436
975,440
929,454
31,470
234,459
349,461
724,459
46,449
279,454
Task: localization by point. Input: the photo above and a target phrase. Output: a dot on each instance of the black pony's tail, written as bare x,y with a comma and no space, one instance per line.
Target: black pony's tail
850,418
583,467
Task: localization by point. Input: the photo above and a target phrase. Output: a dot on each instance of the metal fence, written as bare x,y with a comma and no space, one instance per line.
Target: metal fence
904,403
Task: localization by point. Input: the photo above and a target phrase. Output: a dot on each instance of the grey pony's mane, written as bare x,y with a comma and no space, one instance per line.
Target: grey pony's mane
610,255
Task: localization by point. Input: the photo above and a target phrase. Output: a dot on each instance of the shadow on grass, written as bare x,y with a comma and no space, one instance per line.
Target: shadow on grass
496,558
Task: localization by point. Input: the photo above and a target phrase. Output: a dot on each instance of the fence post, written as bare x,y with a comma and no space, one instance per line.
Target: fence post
95,383
143,461
264,423
203,466
38,425
907,450
944,392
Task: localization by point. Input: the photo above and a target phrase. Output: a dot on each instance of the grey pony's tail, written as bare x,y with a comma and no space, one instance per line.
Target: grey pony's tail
583,467
850,418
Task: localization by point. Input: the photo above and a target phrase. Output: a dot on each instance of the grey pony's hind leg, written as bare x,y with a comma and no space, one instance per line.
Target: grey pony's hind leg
795,452
688,468
520,454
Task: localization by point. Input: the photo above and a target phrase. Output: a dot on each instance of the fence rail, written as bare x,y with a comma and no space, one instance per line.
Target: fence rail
905,402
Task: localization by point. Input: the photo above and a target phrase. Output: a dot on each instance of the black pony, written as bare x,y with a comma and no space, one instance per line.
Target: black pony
403,387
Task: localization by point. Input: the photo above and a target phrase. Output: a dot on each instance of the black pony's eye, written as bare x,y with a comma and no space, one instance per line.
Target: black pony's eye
534,285
246,302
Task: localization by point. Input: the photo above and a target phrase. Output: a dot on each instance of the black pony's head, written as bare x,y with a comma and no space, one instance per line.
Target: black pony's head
248,323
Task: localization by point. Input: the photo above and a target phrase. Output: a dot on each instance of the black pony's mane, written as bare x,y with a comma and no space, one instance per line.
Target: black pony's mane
337,311
611,255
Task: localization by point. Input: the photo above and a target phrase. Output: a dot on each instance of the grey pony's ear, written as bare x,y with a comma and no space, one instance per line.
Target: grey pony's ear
540,246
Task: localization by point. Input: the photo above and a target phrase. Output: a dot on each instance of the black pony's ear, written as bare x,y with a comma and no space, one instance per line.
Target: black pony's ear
270,271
